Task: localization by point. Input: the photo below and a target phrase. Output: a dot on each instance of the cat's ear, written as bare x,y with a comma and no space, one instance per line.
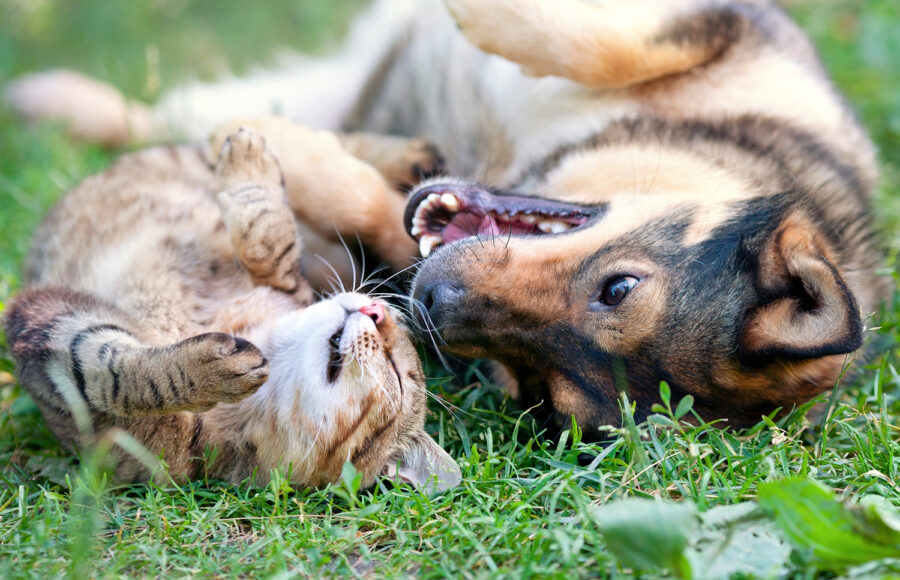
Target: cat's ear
426,465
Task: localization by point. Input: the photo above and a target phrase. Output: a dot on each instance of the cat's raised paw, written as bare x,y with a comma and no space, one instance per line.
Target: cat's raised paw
244,160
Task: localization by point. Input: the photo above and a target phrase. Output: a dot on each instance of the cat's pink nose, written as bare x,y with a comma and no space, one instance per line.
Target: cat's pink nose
374,311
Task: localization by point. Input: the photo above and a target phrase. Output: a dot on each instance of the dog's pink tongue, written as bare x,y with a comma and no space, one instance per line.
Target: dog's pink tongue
465,225
488,226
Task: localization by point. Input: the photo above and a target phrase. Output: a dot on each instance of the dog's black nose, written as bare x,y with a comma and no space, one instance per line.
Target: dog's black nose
435,302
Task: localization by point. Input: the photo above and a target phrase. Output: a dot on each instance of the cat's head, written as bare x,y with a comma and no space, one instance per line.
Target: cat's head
348,385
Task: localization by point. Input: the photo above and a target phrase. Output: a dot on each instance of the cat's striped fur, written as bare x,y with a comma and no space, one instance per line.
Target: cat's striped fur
164,298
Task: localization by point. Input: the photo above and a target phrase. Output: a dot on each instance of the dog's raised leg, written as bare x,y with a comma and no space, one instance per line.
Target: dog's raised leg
601,44
401,161
332,191
314,91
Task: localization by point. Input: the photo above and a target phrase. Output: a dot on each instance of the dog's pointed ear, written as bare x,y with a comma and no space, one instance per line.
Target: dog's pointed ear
807,310
426,465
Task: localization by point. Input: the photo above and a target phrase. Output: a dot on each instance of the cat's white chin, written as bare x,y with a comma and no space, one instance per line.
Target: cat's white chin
327,363
302,347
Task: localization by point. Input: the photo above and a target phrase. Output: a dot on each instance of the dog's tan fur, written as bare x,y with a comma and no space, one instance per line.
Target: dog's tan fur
720,170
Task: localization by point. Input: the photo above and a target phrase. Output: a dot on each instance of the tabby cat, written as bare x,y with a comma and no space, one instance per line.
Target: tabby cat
164,298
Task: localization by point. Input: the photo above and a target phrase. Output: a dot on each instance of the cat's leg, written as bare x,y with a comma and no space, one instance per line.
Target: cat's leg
332,191
85,366
260,221
74,350
604,43
402,162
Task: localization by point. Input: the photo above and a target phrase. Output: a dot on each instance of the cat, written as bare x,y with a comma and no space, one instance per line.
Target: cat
164,298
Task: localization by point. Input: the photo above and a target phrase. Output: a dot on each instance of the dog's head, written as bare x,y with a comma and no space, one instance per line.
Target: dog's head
727,291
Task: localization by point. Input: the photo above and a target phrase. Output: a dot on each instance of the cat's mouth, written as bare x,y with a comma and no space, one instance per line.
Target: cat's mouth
335,356
441,213
360,341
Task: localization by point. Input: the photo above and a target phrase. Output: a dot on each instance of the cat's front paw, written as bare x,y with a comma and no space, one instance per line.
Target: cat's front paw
244,161
222,368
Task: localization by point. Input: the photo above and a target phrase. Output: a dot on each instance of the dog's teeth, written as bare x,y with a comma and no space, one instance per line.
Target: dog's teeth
557,227
425,246
428,243
526,218
420,226
427,203
449,201
552,226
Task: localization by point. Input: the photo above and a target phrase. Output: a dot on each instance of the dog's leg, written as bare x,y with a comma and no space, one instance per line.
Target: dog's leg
332,191
402,162
318,92
601,44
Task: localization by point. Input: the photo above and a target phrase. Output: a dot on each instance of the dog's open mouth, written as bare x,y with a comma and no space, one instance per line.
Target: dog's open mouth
441,213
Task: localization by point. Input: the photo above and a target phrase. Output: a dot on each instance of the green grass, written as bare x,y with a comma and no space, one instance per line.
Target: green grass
526,507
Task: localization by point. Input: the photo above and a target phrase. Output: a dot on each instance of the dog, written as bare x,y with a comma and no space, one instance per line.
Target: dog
643,191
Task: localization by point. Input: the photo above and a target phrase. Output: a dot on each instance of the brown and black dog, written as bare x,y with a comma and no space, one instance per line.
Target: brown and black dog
652,190
715,234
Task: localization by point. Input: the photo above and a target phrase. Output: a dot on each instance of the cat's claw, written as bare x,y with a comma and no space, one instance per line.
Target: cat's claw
223,368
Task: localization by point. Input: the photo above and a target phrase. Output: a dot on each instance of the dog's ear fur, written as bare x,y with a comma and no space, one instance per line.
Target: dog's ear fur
807,311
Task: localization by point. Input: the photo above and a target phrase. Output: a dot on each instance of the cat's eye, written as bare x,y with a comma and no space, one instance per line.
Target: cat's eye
616,289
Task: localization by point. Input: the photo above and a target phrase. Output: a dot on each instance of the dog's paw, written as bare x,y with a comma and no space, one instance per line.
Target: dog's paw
481,19
462,11
90,110
421,161
244,160
512,29
223,368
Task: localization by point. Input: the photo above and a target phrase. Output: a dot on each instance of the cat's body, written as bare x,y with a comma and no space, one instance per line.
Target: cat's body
163,297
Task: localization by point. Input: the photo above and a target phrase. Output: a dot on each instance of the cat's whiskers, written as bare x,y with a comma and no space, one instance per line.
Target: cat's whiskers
395,274
351,258
334,282
430,330
315,440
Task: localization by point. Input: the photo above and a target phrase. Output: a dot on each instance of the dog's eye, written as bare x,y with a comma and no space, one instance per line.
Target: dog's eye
617,289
